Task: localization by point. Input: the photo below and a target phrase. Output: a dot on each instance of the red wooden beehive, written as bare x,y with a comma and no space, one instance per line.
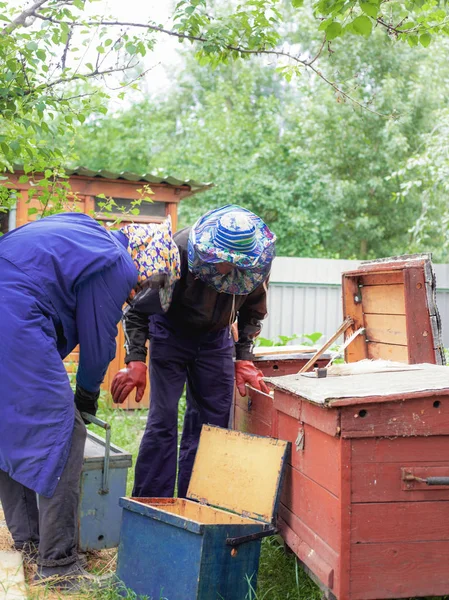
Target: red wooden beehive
351,510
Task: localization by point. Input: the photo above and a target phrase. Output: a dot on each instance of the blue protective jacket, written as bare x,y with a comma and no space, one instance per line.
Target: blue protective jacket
63,281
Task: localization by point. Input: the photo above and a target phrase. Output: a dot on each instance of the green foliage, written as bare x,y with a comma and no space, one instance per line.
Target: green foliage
318,171
424,179
42,72
326,177
305,339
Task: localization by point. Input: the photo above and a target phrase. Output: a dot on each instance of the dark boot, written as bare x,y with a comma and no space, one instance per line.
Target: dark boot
29,551
71,578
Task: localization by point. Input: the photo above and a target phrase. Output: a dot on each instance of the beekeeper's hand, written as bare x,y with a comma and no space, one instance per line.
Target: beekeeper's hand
133,376
247,373
86,402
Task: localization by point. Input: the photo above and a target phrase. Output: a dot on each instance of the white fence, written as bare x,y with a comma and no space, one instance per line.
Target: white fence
305,296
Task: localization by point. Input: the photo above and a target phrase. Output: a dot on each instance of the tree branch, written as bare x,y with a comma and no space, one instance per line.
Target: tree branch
66,49
95,73
241,50
318,53
20,20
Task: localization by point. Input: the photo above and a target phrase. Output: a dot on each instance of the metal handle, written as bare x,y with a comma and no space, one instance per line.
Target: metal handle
250,538
427,480
107,450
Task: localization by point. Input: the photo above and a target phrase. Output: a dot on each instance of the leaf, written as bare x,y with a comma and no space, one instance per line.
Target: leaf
41,54
313,337
333,30
369,9
362,25
325,24
32,211
425,39
297,3
131,48
32,46
23,179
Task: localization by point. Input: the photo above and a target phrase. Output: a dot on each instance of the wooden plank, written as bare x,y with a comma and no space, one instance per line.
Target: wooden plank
309,537
314,505
171,210
352,308
93,186
399,570
393,352
89,205
345,519
307,555
287,403
388,329
419,329
418,417
382,482
382,278
404,450
319,417
320,458
249,468
249,423
384,299
277,368
433,395
381,522
257,404
323,419
386,267
347,323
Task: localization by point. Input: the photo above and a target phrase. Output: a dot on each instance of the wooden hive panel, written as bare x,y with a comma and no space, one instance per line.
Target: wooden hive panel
394,301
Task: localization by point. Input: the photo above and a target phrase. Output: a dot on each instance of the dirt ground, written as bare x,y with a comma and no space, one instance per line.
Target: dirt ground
99,562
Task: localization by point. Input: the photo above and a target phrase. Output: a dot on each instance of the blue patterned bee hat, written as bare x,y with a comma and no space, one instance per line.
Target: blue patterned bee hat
234,235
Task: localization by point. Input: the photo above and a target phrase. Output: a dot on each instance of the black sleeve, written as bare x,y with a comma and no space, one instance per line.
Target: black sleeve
86,401
135,328
251,313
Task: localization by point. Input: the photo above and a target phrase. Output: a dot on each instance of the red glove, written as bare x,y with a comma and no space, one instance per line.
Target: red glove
247,372
133,376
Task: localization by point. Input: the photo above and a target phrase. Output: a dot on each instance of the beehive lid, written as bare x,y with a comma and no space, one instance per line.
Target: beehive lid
403,381
238,472
285,353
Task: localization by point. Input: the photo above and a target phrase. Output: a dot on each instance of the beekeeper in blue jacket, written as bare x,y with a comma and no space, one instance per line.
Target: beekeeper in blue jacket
63,281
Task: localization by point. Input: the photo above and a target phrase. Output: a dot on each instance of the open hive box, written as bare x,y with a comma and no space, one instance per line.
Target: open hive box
208,545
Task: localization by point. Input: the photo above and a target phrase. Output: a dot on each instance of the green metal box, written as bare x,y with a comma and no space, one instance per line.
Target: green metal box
103,482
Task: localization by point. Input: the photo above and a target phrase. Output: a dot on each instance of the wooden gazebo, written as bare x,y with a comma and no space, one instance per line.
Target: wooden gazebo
89,189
